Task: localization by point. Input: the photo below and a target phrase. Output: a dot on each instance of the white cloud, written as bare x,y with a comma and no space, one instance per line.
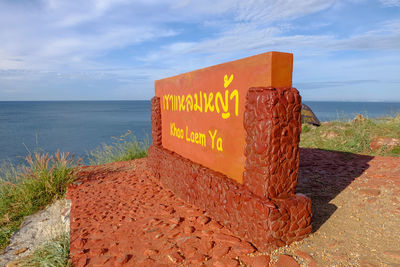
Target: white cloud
62,35
391,3
68,40
267,11
72,13
53,34
245,37
58,33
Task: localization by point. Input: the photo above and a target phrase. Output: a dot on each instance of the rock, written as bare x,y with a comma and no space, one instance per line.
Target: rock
226,263
395,254
203,220
227,238
36,230
256,261
197,259
176,220
380,141
207,232
80,243
188,229
219,251
125,259
150,252
206,245
19,251
147,262
260,261
304,255
100,260
215,225
159,236
370,192
175,257
286,261
243,248
189,251
13,264
308,257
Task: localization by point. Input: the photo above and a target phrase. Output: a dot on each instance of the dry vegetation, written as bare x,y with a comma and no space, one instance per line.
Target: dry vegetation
353,136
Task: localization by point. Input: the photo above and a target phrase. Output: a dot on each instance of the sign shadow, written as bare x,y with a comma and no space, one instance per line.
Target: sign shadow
323,174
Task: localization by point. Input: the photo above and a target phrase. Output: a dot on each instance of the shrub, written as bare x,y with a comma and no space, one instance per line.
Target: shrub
53,253
352,136
25,190
396,150
305,128
124,147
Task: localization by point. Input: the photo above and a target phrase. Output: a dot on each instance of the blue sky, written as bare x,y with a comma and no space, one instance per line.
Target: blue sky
344,50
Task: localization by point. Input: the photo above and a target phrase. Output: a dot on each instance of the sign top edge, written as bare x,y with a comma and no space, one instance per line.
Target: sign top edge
271,53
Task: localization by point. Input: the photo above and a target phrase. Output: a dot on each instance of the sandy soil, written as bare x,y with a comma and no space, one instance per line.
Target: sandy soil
121,216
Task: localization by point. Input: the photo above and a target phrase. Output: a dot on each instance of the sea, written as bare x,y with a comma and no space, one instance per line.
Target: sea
81,126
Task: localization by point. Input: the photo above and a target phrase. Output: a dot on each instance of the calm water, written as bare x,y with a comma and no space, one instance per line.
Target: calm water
74,126
327,111
80,126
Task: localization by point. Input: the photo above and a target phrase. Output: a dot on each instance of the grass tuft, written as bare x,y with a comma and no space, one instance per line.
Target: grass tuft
27,189
352,136
124,147
54,253
395,151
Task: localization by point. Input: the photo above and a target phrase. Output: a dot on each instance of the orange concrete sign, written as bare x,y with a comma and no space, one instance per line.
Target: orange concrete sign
202,111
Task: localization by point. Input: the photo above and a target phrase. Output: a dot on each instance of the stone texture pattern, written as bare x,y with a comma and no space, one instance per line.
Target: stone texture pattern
156,121
266,223
122,216
265,209
272,120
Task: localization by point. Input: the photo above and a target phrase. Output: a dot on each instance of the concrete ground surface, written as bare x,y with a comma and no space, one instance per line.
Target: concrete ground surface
122,216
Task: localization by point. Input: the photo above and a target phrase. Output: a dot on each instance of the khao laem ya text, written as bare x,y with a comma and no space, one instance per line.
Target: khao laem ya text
205,102
226,104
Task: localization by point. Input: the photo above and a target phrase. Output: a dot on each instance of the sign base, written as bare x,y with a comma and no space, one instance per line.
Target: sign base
266,223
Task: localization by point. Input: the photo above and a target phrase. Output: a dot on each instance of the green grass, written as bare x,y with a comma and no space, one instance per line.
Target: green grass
54,253
27,189
124,147
352,136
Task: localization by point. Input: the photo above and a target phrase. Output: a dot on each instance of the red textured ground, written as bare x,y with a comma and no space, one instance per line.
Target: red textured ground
121,216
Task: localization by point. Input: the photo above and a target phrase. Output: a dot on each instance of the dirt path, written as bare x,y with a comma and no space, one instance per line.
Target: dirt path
121,216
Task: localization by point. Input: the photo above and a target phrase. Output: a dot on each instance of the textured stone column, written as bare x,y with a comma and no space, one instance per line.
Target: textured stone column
264,209
156,121
272,120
